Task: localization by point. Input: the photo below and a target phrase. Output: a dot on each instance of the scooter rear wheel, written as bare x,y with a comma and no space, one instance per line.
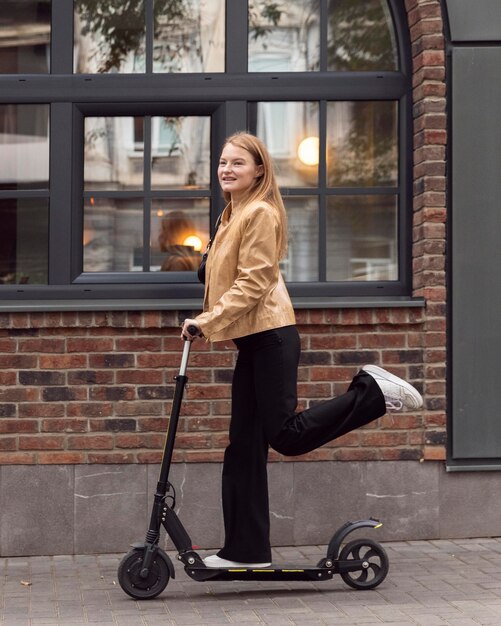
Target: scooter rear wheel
131,581
376,563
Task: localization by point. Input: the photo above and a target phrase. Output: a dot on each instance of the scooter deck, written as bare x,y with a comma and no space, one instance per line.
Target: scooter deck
273,572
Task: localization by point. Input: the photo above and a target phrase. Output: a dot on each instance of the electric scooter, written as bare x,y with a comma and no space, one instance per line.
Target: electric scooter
145,571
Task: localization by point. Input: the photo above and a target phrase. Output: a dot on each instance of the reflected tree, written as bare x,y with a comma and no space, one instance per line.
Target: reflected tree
367,156
120,26
360,36
263,16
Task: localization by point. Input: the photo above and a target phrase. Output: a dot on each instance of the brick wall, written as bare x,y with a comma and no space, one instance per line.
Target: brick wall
429,232
96,387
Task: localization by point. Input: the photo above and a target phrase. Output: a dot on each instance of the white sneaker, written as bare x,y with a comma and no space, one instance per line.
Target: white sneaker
216,561
398,393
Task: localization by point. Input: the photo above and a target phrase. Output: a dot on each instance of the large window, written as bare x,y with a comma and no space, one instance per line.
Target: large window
108,159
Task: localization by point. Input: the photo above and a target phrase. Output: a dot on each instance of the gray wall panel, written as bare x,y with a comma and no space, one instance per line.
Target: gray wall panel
476,252
102,508
474,20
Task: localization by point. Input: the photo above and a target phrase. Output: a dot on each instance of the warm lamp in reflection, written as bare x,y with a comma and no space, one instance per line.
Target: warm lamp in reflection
193,242
308,150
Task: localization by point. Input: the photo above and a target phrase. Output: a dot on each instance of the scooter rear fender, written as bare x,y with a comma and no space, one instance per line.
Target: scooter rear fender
346,529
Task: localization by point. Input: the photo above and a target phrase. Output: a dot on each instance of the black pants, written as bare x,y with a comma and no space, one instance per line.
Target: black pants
264,400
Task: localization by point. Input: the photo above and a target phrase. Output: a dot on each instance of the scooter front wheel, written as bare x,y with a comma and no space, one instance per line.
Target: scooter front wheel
131,581
375,563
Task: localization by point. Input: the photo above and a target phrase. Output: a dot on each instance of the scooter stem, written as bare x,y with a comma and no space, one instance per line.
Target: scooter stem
184,358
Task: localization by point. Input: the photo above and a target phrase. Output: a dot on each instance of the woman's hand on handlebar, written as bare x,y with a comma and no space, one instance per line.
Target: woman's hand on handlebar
190,330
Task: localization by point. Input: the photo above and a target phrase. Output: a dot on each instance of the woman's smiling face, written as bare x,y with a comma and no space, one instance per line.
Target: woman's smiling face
237,171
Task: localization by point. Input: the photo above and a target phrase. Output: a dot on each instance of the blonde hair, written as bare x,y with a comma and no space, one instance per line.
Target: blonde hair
265,186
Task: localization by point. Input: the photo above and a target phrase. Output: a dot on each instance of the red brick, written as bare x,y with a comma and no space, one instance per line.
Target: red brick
8,444
208,392
156,424
84,344
18,361
215,359
67,425
7,378
17,458
138,344
18,394
355,454
333,342
44,409
383,438
139,440
138,408
153,319
111,457
61,458
434,453
62,361
149,457
41,442
90,409
159,360
140,376
18,426
90,442
203,456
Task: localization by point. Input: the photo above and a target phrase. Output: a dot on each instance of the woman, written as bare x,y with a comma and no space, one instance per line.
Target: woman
246,300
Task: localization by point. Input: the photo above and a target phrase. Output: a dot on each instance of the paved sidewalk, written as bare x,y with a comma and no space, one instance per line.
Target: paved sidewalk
431,583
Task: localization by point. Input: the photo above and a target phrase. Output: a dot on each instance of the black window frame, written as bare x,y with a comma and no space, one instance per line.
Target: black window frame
227,97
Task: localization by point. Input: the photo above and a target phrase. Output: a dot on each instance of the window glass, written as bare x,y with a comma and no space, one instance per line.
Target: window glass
284,37
180,152
189,36
124,232
113,157
23,240
25,36
109,34
179,233
362,144
24,146
360,36
362,238
113,235
301,263
290,132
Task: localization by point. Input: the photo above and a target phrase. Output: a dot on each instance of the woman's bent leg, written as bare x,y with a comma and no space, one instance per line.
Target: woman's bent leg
291,433
244,481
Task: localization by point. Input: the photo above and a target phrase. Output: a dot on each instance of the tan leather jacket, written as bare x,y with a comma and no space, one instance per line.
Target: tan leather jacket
244,289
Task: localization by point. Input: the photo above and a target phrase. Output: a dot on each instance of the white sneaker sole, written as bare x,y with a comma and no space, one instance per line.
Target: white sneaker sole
216,561
385,375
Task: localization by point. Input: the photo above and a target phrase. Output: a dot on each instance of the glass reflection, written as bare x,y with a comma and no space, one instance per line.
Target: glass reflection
301,263
24,146
25,36
362,144
284,37
361,36
180,152
113,239
179,233
362,238
24,241
189,36
108,36
113,153
284,126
